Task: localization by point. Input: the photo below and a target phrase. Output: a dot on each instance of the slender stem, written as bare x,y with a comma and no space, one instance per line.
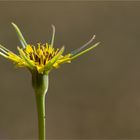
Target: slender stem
40,102
40,84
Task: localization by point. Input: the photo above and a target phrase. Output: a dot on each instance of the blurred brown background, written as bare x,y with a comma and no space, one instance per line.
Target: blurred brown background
97,95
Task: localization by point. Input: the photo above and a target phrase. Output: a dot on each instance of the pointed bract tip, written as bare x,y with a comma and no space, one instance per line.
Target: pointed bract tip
20,36
53,26
93,37
83,46
53,35
98,43
85,51
13,24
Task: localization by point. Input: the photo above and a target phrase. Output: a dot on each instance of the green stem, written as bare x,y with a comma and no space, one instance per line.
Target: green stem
40,101
40,85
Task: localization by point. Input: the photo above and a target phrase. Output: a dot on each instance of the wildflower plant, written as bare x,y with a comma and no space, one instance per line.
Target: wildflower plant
40,60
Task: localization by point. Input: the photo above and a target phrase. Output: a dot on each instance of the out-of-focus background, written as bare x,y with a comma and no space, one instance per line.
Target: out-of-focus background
97,95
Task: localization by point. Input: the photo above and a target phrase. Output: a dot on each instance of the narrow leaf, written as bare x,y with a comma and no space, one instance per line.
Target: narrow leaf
83,47
4,48
85,51
53,35
20,36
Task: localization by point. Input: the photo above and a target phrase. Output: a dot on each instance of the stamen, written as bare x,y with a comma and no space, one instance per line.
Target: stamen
39,55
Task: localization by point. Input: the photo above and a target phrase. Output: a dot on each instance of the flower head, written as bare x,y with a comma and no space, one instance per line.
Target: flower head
42,57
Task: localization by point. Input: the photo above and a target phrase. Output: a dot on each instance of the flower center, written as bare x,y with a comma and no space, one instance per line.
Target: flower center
40,54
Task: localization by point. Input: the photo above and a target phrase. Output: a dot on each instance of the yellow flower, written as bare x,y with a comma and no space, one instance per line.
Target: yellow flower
42,57
40,60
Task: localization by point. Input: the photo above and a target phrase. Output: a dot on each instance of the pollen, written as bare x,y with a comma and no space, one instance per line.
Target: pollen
41,54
